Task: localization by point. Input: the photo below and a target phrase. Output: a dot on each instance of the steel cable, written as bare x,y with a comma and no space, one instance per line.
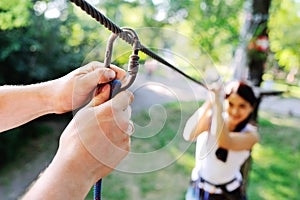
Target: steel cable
106,22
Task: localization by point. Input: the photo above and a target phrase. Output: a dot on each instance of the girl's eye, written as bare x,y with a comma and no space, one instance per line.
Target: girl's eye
245,105
242,106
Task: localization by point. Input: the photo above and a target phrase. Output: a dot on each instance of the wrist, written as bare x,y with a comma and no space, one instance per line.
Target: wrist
56,98
78,160
44,97
73,173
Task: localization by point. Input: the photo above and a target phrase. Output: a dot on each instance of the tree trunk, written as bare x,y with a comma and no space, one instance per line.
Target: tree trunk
258,46
257,52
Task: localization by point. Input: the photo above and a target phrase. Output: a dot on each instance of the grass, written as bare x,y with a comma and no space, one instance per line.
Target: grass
292,91
275,174
172,177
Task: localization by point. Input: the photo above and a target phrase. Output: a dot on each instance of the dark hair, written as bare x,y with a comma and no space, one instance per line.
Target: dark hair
246,92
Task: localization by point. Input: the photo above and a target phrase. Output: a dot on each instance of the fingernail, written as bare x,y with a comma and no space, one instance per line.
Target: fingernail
130,129
110,74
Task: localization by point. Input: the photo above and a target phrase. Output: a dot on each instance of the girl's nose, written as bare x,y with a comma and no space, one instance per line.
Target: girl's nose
234,111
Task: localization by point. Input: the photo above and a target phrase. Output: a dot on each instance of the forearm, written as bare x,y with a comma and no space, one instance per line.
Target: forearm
218,124
231,140
20,104
219,127
198,122
58,183
63,179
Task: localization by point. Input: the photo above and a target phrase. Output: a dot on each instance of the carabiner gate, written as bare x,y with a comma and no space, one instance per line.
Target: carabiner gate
133,65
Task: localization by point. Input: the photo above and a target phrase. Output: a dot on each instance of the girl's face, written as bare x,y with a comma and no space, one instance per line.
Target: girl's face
238,109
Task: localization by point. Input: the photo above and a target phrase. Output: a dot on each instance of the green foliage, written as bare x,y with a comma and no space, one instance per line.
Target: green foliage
44,48
275,171
170,119
211,25
216,27
11,142
14,14
36,48
283,28
32,53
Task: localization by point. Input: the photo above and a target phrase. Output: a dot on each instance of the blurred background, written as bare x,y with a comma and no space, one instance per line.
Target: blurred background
257,40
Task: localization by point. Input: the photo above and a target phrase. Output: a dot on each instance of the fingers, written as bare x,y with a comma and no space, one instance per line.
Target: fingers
122,100
120,73
99,76
121,108
95,73
101,96
117,108
106,75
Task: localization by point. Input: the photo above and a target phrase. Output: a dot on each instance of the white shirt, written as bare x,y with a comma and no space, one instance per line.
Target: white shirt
210,167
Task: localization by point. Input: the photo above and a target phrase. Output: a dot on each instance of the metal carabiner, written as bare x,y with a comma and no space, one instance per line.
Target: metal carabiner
133,65
116,85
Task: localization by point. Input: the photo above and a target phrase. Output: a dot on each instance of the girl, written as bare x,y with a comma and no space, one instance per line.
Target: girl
224,140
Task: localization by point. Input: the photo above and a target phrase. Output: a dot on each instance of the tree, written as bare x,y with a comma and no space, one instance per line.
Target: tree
273,29
259,45
43,48
14,14
283,25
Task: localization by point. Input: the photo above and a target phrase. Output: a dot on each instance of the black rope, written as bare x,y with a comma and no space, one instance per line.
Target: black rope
92,11
106,22
163,61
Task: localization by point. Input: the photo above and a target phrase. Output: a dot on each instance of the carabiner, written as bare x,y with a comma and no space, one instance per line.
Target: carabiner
116,85
133,64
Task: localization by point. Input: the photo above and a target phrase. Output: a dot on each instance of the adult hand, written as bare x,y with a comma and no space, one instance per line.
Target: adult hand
77,88
91,146
98,137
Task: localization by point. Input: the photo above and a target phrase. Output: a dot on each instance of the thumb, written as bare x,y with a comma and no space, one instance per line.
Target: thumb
98,76
105,75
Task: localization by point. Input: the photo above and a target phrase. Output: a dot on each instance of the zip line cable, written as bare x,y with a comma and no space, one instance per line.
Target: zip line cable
107,23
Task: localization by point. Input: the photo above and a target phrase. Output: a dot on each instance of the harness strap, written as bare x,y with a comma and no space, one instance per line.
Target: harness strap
217,185
221,186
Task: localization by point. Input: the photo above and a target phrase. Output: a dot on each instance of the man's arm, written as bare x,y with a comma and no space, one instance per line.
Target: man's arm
21,104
